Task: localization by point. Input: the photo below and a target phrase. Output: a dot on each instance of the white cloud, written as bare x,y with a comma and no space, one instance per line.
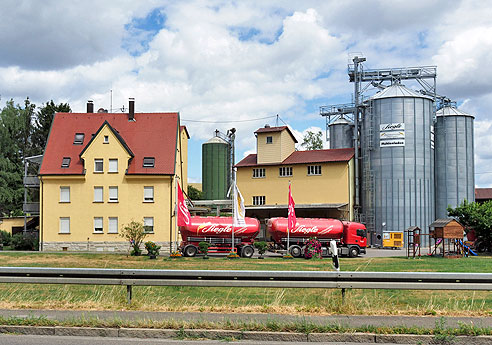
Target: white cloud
219,61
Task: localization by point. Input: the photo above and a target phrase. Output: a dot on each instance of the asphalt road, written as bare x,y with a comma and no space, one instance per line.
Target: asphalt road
61,340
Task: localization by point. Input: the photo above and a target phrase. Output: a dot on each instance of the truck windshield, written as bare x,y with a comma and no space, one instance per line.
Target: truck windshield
361,233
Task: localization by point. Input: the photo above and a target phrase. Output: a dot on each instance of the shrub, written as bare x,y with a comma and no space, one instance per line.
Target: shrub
134,233
28,241
5,237
313,249
152,248
204,247
262,247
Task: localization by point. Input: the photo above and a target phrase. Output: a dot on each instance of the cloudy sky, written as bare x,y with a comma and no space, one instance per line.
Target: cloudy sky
242,61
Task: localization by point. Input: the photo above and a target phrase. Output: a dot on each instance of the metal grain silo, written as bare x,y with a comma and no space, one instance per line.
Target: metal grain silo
398,161
215,169
455,174
341,134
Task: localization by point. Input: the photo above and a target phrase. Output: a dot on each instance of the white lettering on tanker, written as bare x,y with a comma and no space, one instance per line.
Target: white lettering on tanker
210,228
302,229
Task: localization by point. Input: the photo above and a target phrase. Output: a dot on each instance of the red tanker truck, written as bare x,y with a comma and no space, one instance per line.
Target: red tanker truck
351,237
218,232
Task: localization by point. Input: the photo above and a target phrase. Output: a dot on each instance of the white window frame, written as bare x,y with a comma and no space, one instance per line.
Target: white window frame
148,221
112,221
64,194
113,165
314,170
98,224
113,194
148,194
96,161
259,200
285,171
259,172
64,225
96,195
106,139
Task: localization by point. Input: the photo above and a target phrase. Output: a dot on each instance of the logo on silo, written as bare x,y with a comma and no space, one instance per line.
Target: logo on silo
391,134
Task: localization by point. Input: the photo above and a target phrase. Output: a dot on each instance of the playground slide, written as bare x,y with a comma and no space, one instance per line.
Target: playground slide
471,251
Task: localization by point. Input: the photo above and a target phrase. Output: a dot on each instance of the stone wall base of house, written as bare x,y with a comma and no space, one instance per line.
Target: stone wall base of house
99,247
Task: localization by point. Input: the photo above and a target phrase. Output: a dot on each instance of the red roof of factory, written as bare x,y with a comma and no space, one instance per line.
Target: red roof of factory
303,157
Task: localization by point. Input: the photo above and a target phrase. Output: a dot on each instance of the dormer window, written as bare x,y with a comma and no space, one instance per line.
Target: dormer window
65,162
148,162
79,139
269,140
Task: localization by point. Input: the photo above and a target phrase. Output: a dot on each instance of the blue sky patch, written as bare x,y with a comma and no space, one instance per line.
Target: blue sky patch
140,31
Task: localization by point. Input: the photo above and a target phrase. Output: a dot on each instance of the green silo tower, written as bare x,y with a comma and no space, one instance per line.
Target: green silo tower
216,169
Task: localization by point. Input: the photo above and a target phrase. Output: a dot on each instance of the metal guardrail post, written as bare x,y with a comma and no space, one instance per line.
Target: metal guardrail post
129,293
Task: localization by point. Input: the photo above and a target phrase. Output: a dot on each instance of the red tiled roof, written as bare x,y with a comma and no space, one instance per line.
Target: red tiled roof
483,193
150,135
300,157
276,129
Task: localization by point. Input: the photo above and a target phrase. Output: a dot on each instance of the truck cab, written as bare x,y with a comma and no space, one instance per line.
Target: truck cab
354,239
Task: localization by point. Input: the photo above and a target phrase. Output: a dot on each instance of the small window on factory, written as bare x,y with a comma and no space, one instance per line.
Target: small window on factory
65,162
269,140
259,200
148,162
79,139
314,170
258,172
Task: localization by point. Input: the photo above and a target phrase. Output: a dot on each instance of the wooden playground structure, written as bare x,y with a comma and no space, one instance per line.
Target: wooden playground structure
448,235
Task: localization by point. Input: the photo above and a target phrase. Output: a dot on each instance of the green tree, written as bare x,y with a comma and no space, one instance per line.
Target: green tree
194,193
477,216
313,141
15,144
43,120
134,233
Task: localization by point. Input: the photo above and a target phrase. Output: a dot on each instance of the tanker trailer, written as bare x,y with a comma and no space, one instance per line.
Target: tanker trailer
350,236
218,232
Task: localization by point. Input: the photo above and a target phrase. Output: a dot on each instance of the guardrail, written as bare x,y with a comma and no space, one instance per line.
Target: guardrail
264,279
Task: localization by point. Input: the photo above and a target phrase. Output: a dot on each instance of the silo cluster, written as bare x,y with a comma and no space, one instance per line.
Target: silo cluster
341,134
413,163
455,169
216,169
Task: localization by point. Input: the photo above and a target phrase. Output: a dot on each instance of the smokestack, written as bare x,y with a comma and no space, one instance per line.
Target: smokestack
131,109
90,106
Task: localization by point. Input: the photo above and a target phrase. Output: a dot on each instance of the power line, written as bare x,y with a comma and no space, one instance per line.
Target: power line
233,121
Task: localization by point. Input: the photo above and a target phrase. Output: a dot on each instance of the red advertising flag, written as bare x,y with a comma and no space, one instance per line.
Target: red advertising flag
184,216
291,222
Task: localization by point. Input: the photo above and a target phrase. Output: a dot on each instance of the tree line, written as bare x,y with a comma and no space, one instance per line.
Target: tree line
24,131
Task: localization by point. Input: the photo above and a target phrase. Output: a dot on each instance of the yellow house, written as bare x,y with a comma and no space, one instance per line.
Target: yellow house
102,170
321,180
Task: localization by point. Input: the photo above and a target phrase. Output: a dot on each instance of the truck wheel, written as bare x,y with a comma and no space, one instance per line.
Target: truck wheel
295,251
247,251
353,252
190,250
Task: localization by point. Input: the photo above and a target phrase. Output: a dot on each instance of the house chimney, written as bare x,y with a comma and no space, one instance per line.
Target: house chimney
90,106
131,109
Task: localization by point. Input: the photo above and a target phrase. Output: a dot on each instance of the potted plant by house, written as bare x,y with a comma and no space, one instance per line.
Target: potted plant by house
204,248
262,247
152,249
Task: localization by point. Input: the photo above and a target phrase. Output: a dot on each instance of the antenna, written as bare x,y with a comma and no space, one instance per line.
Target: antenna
111,104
